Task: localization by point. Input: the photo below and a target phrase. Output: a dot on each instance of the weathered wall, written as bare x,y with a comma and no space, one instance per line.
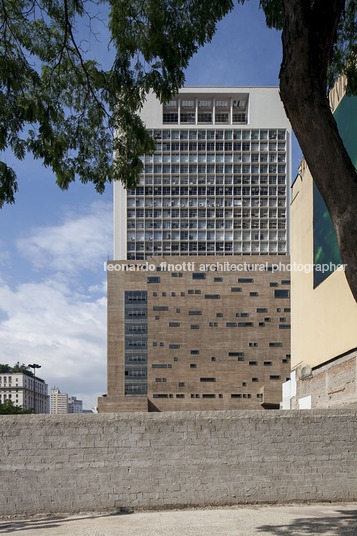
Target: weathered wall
331,385
70,463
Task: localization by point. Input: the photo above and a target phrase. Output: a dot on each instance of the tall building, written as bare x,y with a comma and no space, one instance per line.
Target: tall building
59,402
24,390
324,311
74,405
215,190
217,183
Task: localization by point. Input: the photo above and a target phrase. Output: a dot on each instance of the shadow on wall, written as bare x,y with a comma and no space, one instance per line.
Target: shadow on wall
341,524
50,522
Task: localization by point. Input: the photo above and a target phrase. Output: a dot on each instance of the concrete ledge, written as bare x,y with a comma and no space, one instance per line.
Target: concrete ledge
104,462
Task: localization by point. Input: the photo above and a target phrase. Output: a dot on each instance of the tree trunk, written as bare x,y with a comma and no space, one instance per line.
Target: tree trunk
308,36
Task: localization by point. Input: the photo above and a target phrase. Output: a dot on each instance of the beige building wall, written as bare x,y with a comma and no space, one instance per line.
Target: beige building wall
324,319
220,341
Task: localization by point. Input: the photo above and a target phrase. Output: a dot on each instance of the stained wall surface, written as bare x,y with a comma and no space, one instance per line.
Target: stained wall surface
72,463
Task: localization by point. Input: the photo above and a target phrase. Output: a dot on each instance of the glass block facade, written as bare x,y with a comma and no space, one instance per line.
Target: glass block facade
217,182
210,191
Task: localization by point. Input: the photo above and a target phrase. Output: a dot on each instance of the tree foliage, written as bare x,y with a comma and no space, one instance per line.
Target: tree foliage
57,103
9,408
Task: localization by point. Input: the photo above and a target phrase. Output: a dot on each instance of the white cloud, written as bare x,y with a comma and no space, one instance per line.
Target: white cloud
81,242
64,332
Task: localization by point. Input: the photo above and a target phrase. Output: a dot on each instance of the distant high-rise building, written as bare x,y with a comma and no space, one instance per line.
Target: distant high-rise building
74,405
59,402
24,390
218,182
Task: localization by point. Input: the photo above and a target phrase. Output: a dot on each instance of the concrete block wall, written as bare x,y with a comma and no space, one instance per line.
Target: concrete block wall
104,462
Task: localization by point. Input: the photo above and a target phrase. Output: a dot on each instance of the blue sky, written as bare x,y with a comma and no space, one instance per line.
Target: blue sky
53,244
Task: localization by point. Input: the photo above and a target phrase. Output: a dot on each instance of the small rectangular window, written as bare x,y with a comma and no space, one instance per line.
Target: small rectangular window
236,354
275,377
195,352
181,384
285,282
231,324
253,363
208,396
282,293
286,309
262,310
284,326
153,279
160,308
236,289
274,284
218,279
219,315
253,294
245,280
275,344
174,324
174,346
207,379
195,313
212,296
195,326
197,275
236,395
193,365
180,395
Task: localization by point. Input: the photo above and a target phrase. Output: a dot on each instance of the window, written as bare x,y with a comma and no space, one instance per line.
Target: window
213,324
253,294
174,346
231,324
245,280
161,365
261,324
284,326
245,324
213,359
174,324
236,289
181,384
274,284
236,395
176,274
219,315
218,279
180,395
285,282
195,326
175,358
212,296
177,310
236,354
286,309
255,379
275,377
160,308
198,276
160,395
262,310
195,352
207,379
193,365
153,279
242,315
253,363
195,312
160,379
275,344
282,293
253,344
